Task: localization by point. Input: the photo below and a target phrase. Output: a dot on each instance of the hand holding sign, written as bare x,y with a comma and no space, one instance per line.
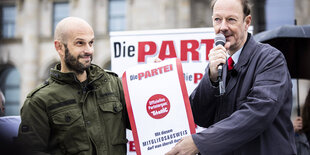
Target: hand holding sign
185,146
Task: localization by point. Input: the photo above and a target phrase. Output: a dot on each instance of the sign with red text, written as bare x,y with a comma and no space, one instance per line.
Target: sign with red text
191,46
158,106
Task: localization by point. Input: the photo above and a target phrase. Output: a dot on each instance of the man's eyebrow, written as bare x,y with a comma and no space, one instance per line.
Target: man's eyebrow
78,39
81,39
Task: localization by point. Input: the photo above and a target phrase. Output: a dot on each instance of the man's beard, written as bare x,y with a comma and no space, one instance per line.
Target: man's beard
73,63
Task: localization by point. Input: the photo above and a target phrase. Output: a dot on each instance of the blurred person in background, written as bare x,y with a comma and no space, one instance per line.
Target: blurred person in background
2,102
302,129
8,124
8,131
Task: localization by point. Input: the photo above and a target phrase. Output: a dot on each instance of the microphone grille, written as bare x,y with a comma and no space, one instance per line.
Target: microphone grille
219,39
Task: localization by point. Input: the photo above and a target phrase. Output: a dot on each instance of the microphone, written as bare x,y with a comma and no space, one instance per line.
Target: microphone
220,40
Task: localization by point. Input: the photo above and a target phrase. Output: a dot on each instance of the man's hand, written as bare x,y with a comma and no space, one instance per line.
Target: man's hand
297,124
217,56
185,146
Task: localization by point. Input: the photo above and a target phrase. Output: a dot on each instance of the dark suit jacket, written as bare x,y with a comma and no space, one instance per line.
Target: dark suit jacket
253,116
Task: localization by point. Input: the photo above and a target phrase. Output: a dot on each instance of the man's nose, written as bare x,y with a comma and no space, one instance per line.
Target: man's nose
224,26
89,49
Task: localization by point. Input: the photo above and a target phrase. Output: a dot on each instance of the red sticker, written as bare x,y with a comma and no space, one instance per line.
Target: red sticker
158,106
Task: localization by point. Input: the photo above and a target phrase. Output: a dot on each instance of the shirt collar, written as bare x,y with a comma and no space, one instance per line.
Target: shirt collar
236,55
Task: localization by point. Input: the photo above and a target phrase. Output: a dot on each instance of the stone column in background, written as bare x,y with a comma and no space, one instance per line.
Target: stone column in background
83,9
30,43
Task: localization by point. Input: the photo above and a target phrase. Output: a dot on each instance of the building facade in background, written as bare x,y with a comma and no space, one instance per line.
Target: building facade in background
26,35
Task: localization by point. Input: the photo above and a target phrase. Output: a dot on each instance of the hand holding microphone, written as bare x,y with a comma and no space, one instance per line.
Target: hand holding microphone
217,56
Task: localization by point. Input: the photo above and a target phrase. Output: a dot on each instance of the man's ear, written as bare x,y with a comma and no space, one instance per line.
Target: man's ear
59,47
248,20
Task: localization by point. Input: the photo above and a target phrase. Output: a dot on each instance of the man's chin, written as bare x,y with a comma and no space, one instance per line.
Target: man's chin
86,64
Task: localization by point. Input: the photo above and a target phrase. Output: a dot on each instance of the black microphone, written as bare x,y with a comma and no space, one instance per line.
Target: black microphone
220,40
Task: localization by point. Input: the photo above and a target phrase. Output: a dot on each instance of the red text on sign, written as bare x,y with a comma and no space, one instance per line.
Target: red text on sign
155,71
168,50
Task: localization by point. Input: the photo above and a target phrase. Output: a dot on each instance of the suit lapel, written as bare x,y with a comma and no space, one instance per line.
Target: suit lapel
231,83
244,57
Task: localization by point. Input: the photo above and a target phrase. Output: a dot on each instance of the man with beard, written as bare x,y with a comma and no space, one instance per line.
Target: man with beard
80,109
253,116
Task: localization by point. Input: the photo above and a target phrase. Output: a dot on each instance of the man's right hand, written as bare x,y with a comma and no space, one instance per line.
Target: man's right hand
297,124
216,56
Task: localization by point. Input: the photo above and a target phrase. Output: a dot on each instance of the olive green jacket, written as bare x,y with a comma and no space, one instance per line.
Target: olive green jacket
63,117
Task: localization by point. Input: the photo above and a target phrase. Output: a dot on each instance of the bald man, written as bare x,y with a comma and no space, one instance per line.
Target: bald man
80,109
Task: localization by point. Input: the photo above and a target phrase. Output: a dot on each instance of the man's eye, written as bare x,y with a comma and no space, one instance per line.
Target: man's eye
232,20
80,43
91,42
216,19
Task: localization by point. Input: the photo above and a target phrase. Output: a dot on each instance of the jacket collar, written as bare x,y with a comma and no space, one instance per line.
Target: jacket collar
246,52
245,56
93,72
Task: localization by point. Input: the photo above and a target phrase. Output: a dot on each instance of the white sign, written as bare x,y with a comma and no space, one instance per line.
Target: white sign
191,46
158,106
